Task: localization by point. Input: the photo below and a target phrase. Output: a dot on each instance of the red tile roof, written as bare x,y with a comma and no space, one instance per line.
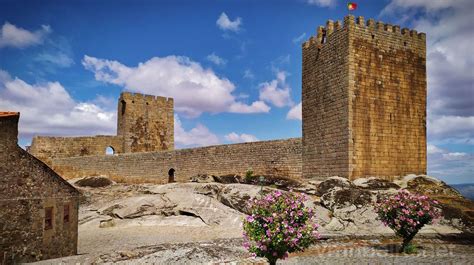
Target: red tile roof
8,113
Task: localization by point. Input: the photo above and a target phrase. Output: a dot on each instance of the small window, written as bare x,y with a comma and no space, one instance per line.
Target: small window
48,218
109,150
66,213
124,105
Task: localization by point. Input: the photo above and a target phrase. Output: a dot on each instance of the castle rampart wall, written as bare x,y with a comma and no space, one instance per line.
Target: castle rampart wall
269,158
49,148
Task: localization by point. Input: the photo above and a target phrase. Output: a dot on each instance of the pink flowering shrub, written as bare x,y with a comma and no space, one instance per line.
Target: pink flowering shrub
406,214
279,224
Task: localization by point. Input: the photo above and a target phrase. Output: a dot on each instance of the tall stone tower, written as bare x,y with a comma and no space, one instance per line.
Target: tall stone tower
364,100
145,122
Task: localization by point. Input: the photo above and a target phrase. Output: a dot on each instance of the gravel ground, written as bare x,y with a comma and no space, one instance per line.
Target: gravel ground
430,251
327,251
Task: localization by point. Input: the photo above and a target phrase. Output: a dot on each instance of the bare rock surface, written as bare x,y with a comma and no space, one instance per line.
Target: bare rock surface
346,197
373,183
94,182
331,183
237,196
201,222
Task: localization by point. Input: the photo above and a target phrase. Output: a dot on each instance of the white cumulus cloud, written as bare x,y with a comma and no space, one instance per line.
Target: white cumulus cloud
452,167
194,88
13,36
48,109
433,149
454,155
224,23
197,136
295,113
277,91
240,138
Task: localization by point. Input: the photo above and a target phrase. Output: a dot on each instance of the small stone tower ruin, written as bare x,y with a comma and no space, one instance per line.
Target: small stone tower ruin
364,100
145,122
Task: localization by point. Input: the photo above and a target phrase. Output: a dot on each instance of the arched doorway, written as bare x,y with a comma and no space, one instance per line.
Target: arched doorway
171,175
109,150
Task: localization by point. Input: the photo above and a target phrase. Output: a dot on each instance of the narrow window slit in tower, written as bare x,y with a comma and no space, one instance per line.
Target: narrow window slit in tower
123,106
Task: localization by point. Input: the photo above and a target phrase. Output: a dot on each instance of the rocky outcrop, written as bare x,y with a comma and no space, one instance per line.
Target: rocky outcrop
352,210
94,182
226,179
331,183
429,186
343,207
375,184
345,197
238,196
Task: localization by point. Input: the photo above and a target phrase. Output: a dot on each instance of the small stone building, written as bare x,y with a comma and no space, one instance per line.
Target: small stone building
38,209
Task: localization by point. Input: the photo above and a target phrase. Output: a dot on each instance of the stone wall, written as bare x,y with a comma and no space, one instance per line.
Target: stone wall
388,100
28,186
364,100
325,103
47,148
270,158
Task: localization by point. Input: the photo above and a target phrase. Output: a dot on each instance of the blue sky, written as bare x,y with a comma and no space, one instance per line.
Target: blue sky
233,67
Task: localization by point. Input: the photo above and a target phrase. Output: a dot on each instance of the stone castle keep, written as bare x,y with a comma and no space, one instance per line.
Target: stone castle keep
364,114
364,100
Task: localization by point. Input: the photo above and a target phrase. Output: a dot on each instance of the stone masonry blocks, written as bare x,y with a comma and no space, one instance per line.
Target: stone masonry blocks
364,101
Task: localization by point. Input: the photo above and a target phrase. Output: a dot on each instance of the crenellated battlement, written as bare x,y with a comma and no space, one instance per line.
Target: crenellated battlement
351,23
137,98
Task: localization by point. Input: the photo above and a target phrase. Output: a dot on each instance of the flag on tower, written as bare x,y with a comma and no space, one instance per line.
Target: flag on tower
351,6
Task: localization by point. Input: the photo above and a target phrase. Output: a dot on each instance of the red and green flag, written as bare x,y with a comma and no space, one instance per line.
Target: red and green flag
351,6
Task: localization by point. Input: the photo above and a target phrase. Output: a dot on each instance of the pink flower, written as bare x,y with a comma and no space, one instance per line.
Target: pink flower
246,245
